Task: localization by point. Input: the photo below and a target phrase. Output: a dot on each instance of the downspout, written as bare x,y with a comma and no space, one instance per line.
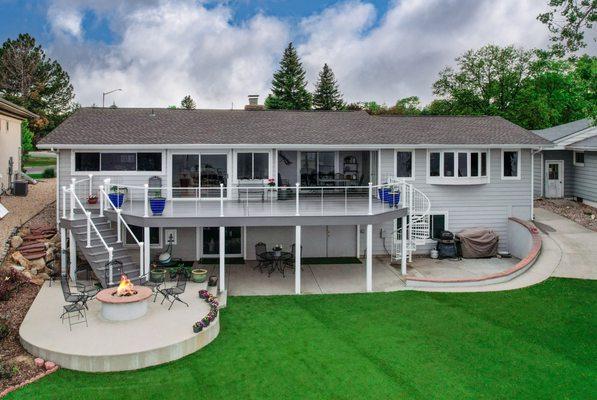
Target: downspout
57,187
533,152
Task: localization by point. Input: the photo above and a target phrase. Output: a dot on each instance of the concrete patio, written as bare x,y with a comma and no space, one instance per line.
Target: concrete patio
245,280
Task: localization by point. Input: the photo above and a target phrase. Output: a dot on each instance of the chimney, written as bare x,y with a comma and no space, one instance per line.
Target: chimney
254,103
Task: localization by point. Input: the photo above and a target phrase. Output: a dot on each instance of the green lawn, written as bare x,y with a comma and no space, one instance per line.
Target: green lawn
39,162
535,343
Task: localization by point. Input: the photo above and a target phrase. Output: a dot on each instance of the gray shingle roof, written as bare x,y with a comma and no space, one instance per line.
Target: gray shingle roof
121,126
588,143
561,131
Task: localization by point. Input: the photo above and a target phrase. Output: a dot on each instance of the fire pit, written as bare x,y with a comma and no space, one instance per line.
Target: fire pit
125,302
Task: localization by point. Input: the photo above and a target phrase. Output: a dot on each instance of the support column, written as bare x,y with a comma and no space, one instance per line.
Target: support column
72,246
358,241
63,265
297,260
369,265
144,264
222,258
403,247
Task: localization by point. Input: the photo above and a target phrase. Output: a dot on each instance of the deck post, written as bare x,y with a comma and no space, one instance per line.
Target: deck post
90,184
370,200
369,267
72,199
297,199
221,199
64,202
403,247
144,264
222,258
63,248
297,260
72,247
101,200
145,199
118,229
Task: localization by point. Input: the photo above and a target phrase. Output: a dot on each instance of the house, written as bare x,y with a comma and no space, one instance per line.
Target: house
11,116
328,172
569,169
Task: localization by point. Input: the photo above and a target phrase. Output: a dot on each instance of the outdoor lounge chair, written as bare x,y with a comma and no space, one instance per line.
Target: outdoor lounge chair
175,292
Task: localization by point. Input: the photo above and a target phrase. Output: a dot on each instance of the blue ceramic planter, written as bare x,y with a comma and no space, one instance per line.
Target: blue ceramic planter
157,205
117,199
389,197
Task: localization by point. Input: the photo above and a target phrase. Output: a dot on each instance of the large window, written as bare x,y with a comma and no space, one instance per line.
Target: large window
510,164
404,164
252,166
155,234
211,241
96,162
457,167
318,168
198,175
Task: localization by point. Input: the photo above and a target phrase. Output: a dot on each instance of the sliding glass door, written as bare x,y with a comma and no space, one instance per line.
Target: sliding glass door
317,167
193,175
232,245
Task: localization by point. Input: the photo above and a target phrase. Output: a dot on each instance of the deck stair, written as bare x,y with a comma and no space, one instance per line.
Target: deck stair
96,255
417,226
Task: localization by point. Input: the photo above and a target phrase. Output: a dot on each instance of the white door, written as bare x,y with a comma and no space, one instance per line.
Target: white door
554,179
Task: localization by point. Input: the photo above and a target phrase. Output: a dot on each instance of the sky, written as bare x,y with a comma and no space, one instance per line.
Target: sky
158,51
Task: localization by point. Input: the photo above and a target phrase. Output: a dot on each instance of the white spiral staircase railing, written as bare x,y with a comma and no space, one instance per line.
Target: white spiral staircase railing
417,225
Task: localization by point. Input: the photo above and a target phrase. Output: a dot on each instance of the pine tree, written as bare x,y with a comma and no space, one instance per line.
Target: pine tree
188,103
289,87
327,95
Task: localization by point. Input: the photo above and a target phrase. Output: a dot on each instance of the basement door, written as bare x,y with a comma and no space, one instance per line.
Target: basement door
329,241
554,179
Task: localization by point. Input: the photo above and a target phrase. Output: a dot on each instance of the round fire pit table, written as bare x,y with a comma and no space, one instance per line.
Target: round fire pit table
124,308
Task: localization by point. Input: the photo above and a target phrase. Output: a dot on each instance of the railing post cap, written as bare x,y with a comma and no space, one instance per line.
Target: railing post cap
72,180
101,187
146,185
118,210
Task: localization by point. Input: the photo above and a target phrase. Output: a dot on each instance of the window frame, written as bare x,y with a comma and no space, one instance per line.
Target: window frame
413,164
126,244
574,162
456,179
252,153
518,165
101,172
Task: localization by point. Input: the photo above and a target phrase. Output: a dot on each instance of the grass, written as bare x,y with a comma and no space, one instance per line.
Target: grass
39,162
537,342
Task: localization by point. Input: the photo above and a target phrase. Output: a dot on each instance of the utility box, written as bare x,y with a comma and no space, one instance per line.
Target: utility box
20,188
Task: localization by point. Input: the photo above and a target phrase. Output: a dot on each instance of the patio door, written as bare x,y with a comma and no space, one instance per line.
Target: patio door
554,179
210,242
194,175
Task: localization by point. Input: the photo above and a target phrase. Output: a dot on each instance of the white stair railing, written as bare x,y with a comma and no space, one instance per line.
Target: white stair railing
417,225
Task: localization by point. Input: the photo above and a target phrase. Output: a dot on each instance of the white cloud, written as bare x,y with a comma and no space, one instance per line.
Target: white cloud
167,49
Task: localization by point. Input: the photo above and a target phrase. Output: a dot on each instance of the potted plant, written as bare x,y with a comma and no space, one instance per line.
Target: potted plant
271,182
197,327
157,274
199,275
92,199
157,202
277,250
116,196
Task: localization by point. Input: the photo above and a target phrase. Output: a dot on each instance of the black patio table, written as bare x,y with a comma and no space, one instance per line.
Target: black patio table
279,260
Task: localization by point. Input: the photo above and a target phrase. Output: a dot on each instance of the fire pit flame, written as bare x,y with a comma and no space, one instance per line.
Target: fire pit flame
125,287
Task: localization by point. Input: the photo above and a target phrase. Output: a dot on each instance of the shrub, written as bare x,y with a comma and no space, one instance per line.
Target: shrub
9,282
49,173
5,372
4,330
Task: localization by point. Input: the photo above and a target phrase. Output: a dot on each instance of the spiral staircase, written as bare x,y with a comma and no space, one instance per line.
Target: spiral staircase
417,226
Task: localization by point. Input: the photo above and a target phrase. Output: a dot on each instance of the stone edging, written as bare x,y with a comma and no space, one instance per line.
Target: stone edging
499,277
28,381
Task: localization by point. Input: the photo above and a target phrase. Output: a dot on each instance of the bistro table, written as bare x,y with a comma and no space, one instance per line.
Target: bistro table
279,260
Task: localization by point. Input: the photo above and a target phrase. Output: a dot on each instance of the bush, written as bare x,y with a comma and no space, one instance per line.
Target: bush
49,173
5,372
10,282
4,330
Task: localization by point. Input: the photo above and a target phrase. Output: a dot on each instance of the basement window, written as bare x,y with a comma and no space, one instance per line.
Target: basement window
155,236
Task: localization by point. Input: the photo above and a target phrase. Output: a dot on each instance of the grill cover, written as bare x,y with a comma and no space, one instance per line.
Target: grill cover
478,242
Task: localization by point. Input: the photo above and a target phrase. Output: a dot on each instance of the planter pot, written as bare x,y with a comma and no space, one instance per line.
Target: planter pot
117,199
92,200
199,275
157,205
157,275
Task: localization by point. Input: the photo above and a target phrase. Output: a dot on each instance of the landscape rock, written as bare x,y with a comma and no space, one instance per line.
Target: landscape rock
19,268
33,271
49,254
25,231
43,276
18,257
39,362
38,264
27,275
37,281
49,365
55,239
16,241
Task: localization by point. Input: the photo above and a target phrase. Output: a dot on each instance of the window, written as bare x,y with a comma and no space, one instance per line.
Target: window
155,234
448,164
483,164
434,163
462,164
252,166
510,168
118,162
474,164
87,161
95,162
317,168
579,158
437,224
404,164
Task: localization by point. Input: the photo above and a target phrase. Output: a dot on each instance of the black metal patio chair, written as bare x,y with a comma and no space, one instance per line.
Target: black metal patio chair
175,291
262,261
78,310
72,297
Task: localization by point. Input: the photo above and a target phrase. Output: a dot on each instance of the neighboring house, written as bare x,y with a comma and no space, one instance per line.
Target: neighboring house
11,116
569,169
462,172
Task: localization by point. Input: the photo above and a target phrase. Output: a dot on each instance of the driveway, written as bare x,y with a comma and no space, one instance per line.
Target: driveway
577,245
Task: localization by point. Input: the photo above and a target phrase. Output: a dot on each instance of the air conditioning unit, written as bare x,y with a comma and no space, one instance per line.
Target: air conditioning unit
20,188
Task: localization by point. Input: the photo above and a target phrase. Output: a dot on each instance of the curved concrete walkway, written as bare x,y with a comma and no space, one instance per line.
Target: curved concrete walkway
566,252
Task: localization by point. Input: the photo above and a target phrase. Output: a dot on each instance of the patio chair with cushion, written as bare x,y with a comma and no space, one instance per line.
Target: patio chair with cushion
176,291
